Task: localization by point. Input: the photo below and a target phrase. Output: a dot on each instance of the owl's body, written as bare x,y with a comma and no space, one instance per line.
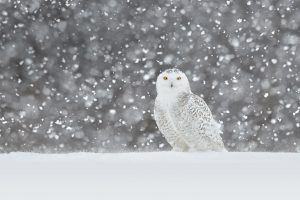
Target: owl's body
183,117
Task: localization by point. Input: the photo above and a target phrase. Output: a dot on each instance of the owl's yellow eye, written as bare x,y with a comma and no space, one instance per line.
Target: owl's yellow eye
178,78
165,78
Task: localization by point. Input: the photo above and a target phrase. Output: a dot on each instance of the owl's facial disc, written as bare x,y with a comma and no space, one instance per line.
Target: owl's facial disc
172,81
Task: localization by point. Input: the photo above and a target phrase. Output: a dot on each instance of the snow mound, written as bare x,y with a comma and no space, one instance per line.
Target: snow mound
160,175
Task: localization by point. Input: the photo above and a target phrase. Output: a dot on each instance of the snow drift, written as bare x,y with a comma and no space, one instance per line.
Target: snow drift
161,175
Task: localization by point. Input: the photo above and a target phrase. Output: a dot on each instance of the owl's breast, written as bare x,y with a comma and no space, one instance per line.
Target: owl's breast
181,113
181,118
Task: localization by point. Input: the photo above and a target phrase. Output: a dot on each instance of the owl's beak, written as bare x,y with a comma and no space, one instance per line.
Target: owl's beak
172,85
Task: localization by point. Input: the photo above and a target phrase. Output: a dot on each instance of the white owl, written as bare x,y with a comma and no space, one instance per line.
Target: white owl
183,117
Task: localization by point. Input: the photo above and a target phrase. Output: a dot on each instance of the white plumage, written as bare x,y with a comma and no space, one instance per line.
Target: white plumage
183,117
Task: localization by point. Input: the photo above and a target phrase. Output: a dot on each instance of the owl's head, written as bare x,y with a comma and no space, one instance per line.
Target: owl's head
172,81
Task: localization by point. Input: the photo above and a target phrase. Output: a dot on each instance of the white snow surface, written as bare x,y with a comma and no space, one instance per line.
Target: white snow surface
159,175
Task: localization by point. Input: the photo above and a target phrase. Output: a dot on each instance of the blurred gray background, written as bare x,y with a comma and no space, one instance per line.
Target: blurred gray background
80,75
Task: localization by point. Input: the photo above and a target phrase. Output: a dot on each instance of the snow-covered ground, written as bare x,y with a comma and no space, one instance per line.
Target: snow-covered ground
161,175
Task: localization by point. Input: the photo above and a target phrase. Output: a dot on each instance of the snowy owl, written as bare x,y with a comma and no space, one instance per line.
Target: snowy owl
183,117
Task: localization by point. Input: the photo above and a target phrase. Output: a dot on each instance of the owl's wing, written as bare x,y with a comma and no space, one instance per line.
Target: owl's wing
204,124
199,109
167,128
